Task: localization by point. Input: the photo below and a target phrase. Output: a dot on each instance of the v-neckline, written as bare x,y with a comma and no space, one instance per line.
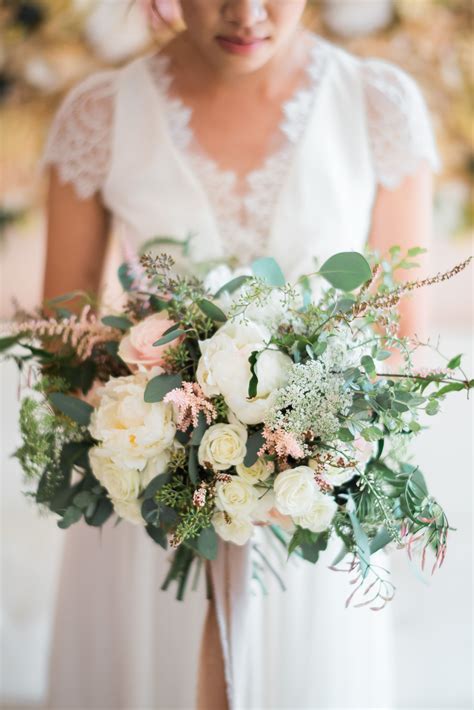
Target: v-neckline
248,213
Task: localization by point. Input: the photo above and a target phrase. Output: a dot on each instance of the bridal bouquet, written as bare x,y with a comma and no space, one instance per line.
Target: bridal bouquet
198,412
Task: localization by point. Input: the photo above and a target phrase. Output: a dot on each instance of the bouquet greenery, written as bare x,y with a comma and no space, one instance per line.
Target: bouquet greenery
198,412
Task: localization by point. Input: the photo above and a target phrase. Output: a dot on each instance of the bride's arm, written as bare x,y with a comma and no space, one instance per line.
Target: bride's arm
403,217
76,239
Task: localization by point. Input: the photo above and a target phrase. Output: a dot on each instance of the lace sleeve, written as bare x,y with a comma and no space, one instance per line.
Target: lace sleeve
400,128
79,140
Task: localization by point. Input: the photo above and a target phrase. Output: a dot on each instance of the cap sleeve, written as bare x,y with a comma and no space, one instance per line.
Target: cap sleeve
399,124
80,138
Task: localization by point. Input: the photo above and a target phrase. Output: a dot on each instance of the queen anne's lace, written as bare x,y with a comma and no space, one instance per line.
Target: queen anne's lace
79,142
399,124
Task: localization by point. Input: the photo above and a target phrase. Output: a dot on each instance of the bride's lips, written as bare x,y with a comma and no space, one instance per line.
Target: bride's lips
240,45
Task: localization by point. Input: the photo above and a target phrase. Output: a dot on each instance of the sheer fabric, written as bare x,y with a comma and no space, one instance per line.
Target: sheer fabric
399,129
353,125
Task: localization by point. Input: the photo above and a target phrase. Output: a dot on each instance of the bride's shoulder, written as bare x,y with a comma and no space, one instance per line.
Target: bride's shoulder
399,121
79,141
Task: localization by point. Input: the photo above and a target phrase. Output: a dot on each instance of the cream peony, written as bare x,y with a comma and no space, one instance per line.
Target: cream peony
295,490
259,471
224,369
319,517
136,347
133,431
223,446
129,510
232,529
236,497
121,482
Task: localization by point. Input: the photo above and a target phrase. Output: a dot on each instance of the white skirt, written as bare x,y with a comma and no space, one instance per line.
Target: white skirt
121,642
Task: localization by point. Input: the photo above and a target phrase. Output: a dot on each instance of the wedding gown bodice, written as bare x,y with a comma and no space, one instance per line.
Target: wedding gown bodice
352,126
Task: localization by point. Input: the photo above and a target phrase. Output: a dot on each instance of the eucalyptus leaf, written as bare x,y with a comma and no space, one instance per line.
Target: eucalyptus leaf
254,444
125,276
266,268
84,499
72,515
253,382
158,304
368,365
381,539
193,465
432,407
212,311
198,432
169,336
346,271
360,536
119,322
150,512
206,543
102,513
159,386
372,433
340,555
155,484
232,285
74,408
157,535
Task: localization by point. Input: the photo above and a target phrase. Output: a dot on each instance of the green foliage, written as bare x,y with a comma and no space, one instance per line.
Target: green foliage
211,310
159,386
74,408
346,271
269,271
119,322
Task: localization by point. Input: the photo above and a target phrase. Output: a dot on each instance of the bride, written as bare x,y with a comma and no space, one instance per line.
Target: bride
256,137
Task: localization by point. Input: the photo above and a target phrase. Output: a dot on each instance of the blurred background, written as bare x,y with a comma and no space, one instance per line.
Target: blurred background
49,45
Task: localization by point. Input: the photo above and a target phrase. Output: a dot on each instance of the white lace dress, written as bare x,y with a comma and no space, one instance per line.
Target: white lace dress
354,125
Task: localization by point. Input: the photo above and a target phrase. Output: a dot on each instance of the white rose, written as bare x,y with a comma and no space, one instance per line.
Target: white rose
224,369
130,428
259,471
295,490
236,497
129,510
121,482
320,515
236,529
223,446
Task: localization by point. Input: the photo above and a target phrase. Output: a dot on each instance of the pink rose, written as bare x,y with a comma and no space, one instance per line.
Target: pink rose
136,347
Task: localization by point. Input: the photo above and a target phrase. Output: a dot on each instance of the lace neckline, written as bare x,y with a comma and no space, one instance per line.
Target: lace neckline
244,215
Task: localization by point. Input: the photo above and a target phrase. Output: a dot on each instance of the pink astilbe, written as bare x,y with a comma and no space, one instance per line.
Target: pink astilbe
281,443
200,495
189,400
82,332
